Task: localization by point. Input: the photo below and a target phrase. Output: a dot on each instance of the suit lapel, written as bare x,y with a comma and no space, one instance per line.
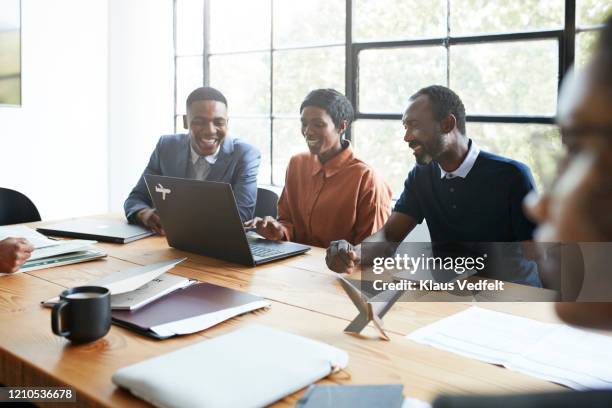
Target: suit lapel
182,160
219,169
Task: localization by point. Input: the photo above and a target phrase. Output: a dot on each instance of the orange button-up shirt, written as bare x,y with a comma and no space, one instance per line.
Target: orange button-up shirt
341,199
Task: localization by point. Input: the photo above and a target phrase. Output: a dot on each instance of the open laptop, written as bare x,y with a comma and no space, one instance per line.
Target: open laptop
202,217
97,228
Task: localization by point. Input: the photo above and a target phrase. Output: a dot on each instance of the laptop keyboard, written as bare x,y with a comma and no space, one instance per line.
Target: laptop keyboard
263,251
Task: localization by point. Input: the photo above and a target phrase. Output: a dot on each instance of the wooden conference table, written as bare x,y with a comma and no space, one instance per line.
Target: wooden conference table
306,300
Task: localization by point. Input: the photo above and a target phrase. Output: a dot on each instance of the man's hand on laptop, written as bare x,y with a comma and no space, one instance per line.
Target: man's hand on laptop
149,218
267,227
342,257
13,253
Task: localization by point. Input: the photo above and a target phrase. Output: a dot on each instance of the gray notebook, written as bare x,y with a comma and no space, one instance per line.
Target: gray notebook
352,396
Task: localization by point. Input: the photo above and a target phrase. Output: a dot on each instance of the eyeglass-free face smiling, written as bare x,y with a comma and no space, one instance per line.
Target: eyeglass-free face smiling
207,124
320,133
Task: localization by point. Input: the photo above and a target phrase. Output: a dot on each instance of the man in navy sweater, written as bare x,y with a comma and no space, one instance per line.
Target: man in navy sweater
464,194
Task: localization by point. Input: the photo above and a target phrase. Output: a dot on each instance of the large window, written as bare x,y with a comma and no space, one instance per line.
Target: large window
505,59
10,52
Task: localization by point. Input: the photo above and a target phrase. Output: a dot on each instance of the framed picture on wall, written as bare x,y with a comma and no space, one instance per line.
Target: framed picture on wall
10,52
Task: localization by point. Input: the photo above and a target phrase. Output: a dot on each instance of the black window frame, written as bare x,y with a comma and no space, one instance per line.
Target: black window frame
565,37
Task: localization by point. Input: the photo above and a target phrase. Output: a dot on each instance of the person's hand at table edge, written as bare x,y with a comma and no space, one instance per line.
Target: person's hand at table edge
149,218
13,253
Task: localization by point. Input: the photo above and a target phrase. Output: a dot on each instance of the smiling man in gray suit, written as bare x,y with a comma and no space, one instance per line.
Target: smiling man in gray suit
205,153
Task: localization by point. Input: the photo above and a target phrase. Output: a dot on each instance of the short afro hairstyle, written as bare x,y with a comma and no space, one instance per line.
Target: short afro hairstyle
333,102
444,102
205,93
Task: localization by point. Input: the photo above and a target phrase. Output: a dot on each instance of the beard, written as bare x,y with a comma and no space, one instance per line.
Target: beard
423,158
430,149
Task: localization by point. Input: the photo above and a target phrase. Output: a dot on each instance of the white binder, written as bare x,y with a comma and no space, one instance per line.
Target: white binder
249,367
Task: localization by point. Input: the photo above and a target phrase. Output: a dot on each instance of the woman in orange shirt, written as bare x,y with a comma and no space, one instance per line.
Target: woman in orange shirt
329,194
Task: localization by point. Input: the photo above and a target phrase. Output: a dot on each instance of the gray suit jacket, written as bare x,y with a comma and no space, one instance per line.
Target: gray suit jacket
237,164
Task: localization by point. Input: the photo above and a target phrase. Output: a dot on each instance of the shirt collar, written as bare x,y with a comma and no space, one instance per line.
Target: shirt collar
211,158
336,163
465,167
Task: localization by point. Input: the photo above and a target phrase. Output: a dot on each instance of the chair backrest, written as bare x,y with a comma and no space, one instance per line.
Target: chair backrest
267,201
16,208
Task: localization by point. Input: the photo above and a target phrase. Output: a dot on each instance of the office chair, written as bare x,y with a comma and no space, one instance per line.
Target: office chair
16,208
267,201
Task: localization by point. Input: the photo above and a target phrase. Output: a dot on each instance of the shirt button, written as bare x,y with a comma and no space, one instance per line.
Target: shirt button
454,206
450,175
452,190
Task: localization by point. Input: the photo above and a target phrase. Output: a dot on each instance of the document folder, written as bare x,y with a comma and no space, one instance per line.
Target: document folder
189,310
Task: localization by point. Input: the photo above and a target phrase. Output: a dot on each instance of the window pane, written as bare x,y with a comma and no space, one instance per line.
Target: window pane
538,146
380,143
506,77
10,53
10,91
585,44
388,77
238,25
189,27
377,20
288,141
256,132
486,16
244,79
178,123
188,77
312,22
592,12
298,72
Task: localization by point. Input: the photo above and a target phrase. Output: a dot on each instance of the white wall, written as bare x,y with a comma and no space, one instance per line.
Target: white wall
97,93
54,148
141,88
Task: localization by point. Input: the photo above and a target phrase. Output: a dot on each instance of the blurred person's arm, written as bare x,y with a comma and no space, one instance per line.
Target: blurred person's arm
13,253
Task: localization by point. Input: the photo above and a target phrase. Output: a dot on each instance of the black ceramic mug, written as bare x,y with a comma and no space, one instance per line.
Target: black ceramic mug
83,314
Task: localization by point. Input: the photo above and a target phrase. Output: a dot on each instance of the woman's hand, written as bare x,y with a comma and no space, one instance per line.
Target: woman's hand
267,227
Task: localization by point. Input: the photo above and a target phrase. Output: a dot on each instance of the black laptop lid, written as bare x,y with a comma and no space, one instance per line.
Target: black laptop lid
200,217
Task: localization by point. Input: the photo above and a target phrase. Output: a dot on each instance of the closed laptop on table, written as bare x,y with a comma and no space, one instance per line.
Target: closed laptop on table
202,217
99,229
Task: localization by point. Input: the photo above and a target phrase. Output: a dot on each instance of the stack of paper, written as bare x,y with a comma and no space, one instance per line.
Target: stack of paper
157,288
135,287
49,252
189,310
578,359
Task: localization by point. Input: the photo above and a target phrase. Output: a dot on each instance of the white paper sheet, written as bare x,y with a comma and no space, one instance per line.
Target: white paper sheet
205,321
59,253
61,247
153,290
576,358
37,239
414,403
131,279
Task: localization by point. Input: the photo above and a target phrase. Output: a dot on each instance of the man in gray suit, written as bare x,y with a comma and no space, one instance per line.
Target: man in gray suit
205,153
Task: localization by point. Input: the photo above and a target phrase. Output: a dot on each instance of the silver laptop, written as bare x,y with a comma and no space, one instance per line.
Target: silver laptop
98,229
202,217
